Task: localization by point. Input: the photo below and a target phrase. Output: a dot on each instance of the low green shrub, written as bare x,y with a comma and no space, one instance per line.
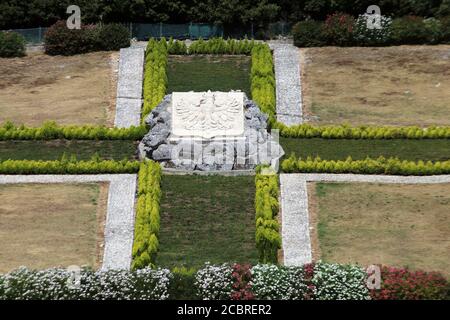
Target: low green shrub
50,130
221,46
309,33
155,75
60,40
182,287
409,30
112,37
404,284
263,80
68,166
145,246
12,44
338,29
362,132
390,166
268,239
176,47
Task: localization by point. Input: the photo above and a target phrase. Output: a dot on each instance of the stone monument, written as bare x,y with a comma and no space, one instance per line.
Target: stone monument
209,131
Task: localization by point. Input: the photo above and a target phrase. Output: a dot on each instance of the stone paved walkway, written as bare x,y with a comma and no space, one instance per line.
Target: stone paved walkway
129,87
119,228
288,83
294,207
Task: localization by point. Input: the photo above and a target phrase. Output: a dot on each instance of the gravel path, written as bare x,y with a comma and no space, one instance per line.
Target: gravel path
295,221
294,206
288,83
129,87
119,228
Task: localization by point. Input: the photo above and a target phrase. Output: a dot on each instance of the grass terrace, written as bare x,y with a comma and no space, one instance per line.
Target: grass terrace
207,218
340,149
209,72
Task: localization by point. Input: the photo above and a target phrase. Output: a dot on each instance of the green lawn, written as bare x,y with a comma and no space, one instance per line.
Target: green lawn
209,72
433,149
207,218
53,150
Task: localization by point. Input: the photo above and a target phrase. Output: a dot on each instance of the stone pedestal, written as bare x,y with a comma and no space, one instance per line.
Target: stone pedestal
209,131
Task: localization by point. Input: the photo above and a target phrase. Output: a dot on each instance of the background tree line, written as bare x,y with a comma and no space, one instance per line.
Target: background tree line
33,13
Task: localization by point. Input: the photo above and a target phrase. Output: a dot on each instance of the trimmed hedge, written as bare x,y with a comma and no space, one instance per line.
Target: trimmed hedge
155,75
50,130
341,29
12,44
60,40
268,239
222,46
145,246
263,80
68,166
390,166
319,281
361,132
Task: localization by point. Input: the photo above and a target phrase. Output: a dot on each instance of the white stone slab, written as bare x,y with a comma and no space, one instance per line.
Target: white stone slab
207,114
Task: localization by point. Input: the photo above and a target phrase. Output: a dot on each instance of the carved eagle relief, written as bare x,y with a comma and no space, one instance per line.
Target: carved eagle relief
212,112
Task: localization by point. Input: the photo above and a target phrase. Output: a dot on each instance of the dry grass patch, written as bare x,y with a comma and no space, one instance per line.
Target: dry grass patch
398,225
404,85
79,89
49,225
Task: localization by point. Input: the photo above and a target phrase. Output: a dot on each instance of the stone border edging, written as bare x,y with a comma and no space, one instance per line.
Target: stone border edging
119,228
295,228
129,87
288,83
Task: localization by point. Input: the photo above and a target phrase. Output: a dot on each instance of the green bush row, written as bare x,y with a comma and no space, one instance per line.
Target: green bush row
60,40
268,239
381,165
68,166
50,130
340,29
155,75
362,132
12,44
263,80
221,46
145,246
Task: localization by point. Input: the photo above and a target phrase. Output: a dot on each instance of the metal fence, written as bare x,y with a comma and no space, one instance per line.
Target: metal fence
144,31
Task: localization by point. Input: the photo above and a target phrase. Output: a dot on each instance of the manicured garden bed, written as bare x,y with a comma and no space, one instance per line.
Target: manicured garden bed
54,149
207,219
340,149
208,72
401,225
50,225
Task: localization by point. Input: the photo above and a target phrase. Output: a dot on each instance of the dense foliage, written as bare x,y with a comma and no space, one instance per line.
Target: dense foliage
50,130
390,166
343,30
146,230
155,75
60,40
362,132
11,45
319,281
33,13
262,77
268,239
404,284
